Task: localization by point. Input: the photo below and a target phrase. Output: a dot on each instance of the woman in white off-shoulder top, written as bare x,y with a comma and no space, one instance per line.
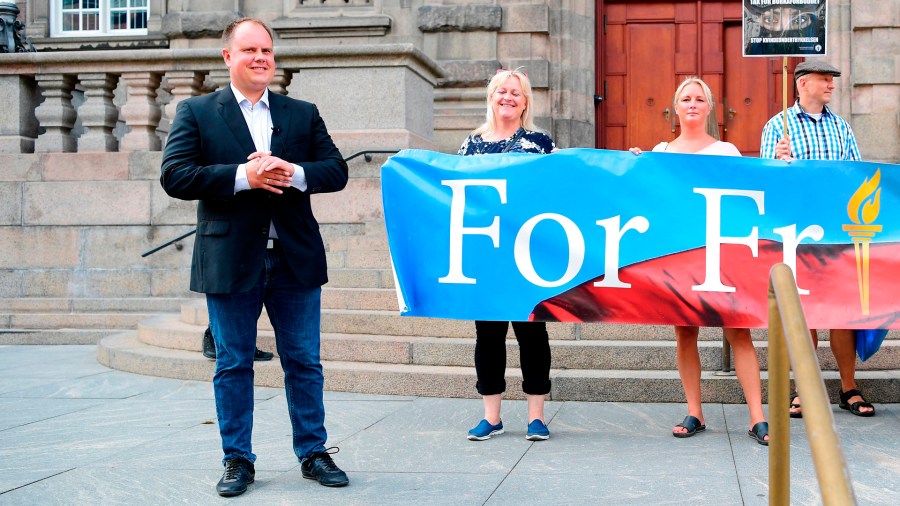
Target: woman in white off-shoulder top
695,107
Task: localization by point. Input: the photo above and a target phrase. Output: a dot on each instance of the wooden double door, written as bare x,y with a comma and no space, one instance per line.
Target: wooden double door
645,49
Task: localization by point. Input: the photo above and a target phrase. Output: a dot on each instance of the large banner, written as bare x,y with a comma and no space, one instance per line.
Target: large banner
659,238
784,27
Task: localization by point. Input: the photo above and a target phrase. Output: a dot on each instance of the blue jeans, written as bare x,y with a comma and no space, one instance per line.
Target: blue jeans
294,311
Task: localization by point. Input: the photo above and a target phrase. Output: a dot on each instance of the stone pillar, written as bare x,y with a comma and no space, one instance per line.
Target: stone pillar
281,81
183,84
466,41
392,106
874,72
55,114
18,127
98,113
220,78
840,53
571,52
141,112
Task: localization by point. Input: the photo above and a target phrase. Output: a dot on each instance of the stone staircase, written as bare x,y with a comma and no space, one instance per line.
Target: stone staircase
71,320
367,347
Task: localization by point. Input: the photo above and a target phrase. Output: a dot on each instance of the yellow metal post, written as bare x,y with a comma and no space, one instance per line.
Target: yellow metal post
779,422
784,98
828,458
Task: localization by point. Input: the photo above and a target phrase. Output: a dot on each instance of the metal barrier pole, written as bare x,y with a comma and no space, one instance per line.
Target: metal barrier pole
726,358
779,420
828,458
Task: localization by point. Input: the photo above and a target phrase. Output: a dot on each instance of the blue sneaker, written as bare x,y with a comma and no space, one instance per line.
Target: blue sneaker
484,430
537,431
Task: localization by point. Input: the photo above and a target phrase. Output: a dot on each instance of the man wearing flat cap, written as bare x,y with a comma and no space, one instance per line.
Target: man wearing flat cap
816,133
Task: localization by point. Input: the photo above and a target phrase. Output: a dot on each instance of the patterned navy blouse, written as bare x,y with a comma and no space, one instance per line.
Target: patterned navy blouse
528,142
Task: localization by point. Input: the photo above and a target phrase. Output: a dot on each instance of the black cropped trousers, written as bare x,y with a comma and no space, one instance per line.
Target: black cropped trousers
490,356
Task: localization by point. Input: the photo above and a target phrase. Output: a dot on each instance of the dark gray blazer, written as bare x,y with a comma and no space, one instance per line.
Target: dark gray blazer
208,140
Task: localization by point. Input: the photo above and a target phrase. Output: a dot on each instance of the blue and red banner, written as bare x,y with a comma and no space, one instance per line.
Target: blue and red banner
658,238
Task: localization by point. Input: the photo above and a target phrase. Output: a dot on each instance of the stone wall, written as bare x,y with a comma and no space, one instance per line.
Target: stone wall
74,224
385,74
552,39
863,43
80,198
874,70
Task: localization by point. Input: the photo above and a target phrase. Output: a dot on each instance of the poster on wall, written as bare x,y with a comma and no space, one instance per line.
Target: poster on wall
784,27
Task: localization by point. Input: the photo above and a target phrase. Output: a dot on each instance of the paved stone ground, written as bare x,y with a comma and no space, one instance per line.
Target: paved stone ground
75,432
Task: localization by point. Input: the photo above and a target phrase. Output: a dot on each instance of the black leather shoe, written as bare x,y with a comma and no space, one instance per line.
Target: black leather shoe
209,346
262,356
321,468
239,473
209,349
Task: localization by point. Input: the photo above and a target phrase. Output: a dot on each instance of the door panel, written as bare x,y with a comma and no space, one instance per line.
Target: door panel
745,103
646,48
650,83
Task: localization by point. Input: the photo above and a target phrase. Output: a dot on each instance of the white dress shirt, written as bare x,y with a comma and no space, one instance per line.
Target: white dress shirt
259,121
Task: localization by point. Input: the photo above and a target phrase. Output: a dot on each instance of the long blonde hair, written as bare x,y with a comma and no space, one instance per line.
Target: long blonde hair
712,124
490,123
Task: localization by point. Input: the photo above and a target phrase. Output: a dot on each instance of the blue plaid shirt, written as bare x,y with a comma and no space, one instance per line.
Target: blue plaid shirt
830,138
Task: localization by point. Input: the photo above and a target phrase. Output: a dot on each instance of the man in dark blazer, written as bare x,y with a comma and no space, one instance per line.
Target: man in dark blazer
252,159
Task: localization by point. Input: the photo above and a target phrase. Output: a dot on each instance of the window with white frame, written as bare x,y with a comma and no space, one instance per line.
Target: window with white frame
90,18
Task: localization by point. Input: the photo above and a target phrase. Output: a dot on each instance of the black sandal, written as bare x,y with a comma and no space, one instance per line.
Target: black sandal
795,405
759,433
692,425
854,408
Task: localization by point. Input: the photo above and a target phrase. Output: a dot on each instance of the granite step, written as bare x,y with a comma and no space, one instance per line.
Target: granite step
55,336
93,304
384,299
357,260
168,331
126,352
72,320
357,243
360,278
389,322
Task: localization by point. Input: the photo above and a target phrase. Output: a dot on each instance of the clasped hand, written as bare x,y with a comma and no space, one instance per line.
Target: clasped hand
268,172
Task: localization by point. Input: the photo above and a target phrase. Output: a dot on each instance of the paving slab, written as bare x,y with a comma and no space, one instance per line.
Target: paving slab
74,432
577,490
18,412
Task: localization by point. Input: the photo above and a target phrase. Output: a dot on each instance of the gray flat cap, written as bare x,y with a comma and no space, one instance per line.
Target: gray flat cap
815,67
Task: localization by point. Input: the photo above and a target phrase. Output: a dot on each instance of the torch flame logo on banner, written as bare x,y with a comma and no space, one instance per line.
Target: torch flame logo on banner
863,208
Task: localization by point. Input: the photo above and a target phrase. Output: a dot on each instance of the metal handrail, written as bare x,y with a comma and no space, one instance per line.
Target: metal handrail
169,243
367,154
790,347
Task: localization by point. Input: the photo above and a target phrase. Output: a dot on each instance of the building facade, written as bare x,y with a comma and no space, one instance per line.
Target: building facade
86,116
